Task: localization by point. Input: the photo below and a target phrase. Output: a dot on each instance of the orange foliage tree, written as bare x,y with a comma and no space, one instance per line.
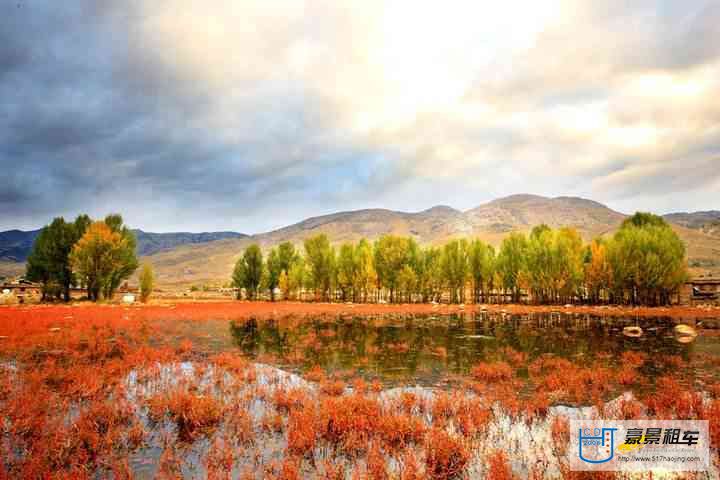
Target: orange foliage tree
598,272
97,256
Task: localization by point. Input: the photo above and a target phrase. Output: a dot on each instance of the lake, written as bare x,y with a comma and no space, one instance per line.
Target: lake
434,350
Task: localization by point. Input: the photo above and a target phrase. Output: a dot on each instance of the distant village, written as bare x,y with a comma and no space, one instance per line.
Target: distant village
23,291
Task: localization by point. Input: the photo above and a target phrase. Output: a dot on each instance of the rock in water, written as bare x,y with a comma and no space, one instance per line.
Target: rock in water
685,333
634,331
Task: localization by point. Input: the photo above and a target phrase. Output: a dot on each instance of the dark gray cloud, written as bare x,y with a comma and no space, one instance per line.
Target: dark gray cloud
94,118
249,116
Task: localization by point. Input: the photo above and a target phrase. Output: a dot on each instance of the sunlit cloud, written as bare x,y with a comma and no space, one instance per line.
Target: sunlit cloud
293,108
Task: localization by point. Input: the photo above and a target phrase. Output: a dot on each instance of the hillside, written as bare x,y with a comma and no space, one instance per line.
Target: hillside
435,225
149,242
212,262
15,245
187,258
707,222
9,269
695,219
522,212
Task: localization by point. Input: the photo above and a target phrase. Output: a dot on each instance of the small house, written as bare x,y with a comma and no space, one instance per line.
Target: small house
23,290
701,290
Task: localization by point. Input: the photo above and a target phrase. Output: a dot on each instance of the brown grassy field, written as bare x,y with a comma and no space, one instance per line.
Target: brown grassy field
11,269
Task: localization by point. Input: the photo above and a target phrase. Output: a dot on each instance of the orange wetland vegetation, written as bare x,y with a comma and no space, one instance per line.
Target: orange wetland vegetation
196,390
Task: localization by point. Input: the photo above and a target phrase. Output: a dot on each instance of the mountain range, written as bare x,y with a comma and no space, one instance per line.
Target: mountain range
186,258
15,245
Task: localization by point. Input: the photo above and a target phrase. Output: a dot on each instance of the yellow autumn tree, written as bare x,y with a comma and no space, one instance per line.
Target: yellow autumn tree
598,272
97,256
147,282
284,285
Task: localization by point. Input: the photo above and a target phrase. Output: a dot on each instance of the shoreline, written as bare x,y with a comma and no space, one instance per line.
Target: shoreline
240,309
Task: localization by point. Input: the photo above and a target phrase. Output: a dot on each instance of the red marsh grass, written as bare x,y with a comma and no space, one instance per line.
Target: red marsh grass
89,392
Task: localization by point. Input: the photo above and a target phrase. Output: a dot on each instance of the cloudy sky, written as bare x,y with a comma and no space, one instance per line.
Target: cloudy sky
248,115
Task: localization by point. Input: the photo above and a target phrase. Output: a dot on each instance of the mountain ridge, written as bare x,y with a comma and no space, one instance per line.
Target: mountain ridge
15,245
490,222
183,257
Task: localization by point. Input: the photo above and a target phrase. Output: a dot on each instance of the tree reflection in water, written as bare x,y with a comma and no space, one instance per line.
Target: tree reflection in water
424,349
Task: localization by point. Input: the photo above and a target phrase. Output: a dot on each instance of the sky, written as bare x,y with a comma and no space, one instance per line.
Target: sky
251,115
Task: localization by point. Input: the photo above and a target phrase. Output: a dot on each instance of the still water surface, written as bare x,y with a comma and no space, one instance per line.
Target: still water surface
434,350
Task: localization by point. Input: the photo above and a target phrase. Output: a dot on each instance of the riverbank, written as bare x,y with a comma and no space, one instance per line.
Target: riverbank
194,309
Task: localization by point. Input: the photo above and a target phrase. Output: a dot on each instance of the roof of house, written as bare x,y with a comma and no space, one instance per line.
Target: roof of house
704,281
19,285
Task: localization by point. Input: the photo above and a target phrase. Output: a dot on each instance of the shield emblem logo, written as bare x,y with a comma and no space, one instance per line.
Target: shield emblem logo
599,448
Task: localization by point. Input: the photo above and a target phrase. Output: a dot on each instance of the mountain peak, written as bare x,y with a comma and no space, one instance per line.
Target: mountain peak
523,211
527,201
519,198
441,210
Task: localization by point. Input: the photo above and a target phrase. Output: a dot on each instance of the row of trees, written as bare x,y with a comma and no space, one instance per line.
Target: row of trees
643,263
95,255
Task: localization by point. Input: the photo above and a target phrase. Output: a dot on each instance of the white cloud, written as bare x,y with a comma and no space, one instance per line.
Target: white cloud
455,101
462,84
